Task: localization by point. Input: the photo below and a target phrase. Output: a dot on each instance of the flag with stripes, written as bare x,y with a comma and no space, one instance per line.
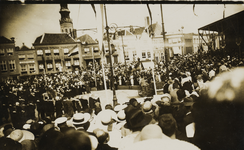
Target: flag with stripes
74,51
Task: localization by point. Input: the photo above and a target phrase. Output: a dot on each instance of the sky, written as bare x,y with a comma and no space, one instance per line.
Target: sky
27,22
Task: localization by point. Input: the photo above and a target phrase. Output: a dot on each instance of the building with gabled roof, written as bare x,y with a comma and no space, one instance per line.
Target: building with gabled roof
54,38
8,59
86,39
52,53
27,61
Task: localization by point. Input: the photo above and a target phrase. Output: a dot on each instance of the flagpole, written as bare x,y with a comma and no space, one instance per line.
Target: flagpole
110,55
94,67
154,82
164,38
100,28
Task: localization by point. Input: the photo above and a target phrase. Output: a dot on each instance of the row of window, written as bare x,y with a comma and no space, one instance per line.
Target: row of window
11,64
58,64
9,51
144,55
66,51
48,52
174,41
26,67
23,56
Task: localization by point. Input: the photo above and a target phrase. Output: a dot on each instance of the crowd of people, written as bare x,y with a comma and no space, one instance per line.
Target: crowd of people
200,108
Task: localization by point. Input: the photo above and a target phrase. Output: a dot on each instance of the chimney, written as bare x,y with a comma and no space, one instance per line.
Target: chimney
147,21
17,48
12,39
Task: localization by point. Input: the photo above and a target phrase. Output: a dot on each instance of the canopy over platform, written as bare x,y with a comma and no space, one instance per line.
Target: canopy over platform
232,23
226,34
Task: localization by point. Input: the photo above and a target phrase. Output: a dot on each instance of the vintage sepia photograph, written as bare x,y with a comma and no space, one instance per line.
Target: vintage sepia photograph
121,76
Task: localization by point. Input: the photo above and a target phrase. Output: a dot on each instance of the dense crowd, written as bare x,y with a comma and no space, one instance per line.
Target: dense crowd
200,107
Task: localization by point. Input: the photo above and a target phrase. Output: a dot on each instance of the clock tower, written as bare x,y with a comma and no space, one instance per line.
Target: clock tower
66,23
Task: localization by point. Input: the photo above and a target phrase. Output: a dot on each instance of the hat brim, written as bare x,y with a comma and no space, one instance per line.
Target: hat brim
27,135
119,107
87,117
146,120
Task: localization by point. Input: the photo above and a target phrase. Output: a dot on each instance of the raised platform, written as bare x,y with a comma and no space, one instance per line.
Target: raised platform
128,87
106,96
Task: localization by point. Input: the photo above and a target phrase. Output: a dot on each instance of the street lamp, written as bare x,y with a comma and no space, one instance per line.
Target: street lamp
110,55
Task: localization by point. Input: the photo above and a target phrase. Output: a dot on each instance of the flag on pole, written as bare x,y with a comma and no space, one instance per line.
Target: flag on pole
150,14
74,51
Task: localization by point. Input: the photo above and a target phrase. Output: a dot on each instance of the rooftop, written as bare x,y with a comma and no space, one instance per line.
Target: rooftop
54,38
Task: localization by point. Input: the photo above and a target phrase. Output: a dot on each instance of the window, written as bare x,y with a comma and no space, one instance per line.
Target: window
39,52
22,57
86,50
188,40
76,62
48,52
106,50
41,66
66,51
148,55
30,56
95,49
49,66
32,68
3,66
134,53
56,52
10,51
1,52
58,64
127,56
23,67
162,55
11,64
68,63
143,54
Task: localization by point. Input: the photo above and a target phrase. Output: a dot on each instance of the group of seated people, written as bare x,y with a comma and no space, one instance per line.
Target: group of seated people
210,119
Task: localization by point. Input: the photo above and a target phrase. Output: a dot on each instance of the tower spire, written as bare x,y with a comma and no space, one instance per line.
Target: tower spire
66,23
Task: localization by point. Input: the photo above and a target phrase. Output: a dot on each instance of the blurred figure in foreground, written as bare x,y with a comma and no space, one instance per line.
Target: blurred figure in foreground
218,115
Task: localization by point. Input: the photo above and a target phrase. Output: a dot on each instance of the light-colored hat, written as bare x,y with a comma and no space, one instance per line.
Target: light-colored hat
121,116
147,107
60,120
80,118
166,95
21,135
119,107
106,116
26,126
